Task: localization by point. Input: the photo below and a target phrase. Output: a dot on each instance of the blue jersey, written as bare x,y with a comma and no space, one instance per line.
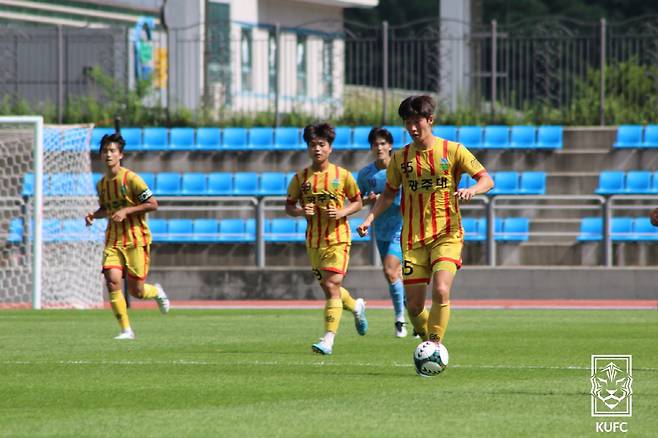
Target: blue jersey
389,223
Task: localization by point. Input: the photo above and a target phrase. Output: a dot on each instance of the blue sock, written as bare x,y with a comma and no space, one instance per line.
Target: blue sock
396,290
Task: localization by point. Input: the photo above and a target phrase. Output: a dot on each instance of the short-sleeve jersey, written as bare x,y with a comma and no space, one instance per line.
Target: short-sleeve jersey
389,223
429,179
324,188
124,190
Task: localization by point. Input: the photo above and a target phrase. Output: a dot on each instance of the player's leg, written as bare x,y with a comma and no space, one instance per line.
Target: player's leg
113,268
416,276
137,266
446,258
391,256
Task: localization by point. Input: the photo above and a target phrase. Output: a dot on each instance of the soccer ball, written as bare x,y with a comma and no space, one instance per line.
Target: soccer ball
430,358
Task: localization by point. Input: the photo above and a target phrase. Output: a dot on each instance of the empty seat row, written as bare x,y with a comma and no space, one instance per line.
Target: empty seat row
290,138
637,136
511,229
615,182
622,229
512,183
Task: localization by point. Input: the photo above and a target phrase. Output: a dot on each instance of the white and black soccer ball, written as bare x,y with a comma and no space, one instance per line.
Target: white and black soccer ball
430,358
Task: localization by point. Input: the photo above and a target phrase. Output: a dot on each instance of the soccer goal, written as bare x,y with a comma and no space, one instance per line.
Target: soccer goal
48,258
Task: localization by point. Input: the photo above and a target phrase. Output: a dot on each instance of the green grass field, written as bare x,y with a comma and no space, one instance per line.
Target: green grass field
251,373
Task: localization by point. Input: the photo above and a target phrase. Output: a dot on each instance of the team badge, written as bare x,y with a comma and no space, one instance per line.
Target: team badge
444,164
335,183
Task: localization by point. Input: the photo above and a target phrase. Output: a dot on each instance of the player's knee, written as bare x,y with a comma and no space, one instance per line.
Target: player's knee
113,285
442,292
330,285
391,273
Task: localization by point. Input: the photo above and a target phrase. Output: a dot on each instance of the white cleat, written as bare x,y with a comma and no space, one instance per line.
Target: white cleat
400,329
126,334
161,299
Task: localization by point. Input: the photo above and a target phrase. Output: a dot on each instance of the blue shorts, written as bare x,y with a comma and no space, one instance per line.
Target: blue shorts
390,247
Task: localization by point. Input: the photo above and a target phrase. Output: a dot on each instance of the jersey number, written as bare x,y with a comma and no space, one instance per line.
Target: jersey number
407,268
317,274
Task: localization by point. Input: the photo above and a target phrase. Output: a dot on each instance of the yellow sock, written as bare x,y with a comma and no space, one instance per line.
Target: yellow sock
349,303
149,292
118,303
420,323
438,321
333,309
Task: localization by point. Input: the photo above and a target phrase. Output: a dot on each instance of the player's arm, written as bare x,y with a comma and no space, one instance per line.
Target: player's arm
100,213
355,205
148,205
384,202
307,210
483,184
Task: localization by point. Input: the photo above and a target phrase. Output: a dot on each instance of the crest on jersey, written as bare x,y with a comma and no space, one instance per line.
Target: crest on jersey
335,183
444,164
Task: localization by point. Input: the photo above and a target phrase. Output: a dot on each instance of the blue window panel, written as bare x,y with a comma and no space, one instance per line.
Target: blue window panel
628,136
208,139
96,136
159,229
250,230
399,135
496,137
466,181
181,139
205,230
650,136
180,230
644,231
515,229
15,232
446,132
282,230
167,184
155,139
194,184
261,139
231,231
220,183
133,138
533,183
470,136
355,222
28,185
272,183
591,229
360,139
523,137
549,137
506,183
638,181
234,139
621,229
245,183
343,138
611,182
287,139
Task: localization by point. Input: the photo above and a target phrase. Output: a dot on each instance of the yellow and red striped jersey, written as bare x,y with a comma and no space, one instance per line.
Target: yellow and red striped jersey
429,179
124,190
329,187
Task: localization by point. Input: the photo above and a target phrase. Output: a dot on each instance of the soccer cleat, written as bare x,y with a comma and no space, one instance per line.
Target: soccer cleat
360,320
321,348
126,334
161,299
416,335
400,329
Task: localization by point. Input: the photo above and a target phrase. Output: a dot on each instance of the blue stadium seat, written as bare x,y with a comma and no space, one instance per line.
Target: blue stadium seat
621,229
282,230
466,181
75,140
167,184
654,183
15,232
644,231
628,136
355,222
506,183
205,230
360,139
498,228
399,135
75,230
98,230
533,183
220,183
245,183
272,183
549,137
611,182
95,178
155,139
231,231
515,229
523,137
208,139
496,137
287,139
83,184
250,230
159,229
234,139
301,229
650,136
133,138
482,229
194,184
59,184
96,136
471,232
261,139
446,132
289,177
591,229
180,230
28,185
638,182
149,179
470,136
181,139
52,140
52,230
343,138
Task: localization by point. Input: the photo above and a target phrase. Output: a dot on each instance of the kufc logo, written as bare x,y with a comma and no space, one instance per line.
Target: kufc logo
612,392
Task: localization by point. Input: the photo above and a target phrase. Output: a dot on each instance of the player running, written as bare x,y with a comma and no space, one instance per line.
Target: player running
432,237
125,199
321,190
371,181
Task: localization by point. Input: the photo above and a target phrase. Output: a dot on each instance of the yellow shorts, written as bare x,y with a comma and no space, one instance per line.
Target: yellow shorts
131,261
443,254
334,258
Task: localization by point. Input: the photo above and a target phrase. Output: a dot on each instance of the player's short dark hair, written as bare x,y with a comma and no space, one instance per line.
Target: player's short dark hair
422,105
319,130
113,138
378,132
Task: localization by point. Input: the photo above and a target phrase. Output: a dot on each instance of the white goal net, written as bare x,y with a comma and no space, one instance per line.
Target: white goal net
58,267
